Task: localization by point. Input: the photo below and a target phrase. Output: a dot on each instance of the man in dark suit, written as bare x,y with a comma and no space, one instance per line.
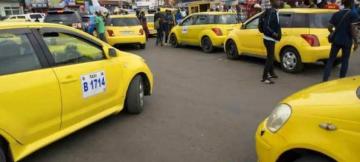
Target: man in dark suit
272,34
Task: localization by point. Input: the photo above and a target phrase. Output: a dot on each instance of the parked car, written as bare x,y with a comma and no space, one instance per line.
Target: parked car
56,80
65,17
125,29
33,17
304,38
150,24
317,124
205,29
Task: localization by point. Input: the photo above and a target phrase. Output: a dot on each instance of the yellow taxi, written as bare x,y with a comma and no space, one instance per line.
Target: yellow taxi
206,29
150,24
304,38
56,80
125,29
318,124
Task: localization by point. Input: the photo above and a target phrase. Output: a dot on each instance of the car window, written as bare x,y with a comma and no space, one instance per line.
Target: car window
253,24
21,17
285,20
204,19
13,17
35,16
300,21
68,49
17,54
124,22
188,21
150,18
227,19
320,20
65,18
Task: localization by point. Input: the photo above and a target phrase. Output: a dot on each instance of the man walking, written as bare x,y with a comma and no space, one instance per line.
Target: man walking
158,23
272,33
169,23
341,38
100,26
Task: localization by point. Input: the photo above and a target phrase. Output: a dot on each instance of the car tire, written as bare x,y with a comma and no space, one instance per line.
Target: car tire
313,158
2,153
290,60
207,45
231,50
142,46
173,41
134,103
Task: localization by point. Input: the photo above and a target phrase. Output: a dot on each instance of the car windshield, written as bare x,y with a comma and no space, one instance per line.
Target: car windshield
320,20
150,18
227,19
125,22
66,18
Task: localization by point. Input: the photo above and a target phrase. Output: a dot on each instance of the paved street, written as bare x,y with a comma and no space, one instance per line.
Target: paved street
205,108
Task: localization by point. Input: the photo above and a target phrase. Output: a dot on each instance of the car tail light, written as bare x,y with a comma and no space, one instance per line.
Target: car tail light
217,31
141,31
313,40
111,33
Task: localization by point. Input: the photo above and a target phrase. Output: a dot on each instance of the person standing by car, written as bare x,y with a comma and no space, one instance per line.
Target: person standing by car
143,23
169,23
271,29
341,38
158,24
100,26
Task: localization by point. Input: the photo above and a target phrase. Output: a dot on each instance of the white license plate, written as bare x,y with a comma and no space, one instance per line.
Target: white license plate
126,33
93,83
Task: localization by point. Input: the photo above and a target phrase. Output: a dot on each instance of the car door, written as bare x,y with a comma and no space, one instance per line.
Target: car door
30,102
184,31
201,23
252,39
90,82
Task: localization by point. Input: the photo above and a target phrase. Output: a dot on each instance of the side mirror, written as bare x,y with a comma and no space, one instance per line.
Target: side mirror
112,52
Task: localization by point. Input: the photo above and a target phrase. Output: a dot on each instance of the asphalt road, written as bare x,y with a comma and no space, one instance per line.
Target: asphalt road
205,108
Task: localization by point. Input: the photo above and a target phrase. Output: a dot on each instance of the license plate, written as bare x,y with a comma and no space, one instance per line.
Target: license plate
93,83
126,33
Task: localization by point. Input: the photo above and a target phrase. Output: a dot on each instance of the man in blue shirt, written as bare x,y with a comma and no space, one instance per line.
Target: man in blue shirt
342,38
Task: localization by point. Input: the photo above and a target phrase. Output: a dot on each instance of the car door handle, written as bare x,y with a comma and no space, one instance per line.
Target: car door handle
328,126
68,79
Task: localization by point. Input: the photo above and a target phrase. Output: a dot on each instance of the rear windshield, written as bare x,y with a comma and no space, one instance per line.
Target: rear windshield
66,18
227,19
150,18
320,20
35,16
125,22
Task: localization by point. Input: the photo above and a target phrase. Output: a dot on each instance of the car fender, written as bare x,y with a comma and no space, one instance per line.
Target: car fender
175,31
287,41
234,35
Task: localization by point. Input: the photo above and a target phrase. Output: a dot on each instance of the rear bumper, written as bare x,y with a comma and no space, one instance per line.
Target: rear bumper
218,41
315,54
136,39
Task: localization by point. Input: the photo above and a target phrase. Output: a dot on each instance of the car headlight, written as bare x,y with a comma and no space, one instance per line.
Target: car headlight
278,117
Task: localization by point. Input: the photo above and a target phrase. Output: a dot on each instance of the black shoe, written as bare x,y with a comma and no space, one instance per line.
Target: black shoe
273,76
267,81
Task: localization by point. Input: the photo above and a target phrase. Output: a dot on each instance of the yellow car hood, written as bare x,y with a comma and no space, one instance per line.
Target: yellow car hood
338,93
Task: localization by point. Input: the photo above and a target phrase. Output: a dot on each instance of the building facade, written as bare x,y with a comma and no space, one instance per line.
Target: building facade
10,7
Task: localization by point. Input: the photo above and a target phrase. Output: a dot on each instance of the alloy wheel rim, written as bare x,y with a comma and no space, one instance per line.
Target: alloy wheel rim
141,94
289,60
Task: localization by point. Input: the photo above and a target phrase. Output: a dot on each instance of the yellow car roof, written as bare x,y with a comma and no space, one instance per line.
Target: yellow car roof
308,10
123,16
7,25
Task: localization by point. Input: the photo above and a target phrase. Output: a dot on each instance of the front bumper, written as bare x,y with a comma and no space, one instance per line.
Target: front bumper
136,39
268,145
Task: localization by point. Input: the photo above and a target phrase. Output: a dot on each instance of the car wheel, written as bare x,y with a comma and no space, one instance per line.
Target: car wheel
313,158
134,103
2,154
207,45
173,41
142,46
231,50
291,61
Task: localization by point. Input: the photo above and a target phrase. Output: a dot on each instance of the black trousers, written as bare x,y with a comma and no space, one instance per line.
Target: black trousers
269,65
344,61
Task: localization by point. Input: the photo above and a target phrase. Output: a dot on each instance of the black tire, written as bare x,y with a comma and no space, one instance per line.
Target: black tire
290,60
231,50
2,153
207,45
173,41
142,46
313,158
134,103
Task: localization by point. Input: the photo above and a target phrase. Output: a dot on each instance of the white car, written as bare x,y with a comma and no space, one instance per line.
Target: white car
30,17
